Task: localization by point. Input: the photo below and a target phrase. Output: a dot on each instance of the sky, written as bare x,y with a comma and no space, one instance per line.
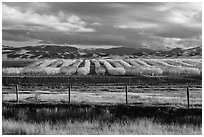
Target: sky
154,25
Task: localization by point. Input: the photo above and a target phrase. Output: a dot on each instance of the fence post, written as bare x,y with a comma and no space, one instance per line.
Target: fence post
188,97
126,90
69,93
17,99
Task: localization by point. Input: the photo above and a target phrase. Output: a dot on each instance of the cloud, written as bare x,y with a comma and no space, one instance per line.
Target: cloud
15,19
96,24
133,24
163,19
32,42
169,43
95,46
191,42
137,25
16,37
188,14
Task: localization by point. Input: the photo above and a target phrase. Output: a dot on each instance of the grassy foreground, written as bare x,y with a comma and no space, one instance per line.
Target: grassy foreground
99,119
138,126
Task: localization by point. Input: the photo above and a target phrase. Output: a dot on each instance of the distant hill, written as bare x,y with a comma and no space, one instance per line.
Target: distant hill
125,51
179,52
43,51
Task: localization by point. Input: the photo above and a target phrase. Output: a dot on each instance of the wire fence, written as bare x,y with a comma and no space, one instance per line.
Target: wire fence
188,96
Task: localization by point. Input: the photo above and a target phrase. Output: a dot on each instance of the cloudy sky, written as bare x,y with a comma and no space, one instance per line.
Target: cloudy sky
149,25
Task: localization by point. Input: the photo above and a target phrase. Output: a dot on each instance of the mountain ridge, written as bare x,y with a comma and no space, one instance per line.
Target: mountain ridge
44,51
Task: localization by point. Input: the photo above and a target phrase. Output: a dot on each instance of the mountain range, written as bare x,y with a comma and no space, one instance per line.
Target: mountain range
44,51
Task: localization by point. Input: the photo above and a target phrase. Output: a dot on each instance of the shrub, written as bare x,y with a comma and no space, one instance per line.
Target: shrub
50,70
16,71
29,70
35,64
195,63
46,63
129,69
178,70
174,70
56,64
142,68
142,63
124,63
133,63
68,62
115,63
70,70
42,68
86,69
34,71
185,64
157,62
99,69
113,70
175,62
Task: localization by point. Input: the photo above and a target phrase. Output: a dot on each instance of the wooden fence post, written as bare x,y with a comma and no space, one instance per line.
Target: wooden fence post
126,90
69,93
188,97
17,99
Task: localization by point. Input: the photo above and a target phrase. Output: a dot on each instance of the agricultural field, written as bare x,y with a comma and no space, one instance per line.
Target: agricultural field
113,67
156,96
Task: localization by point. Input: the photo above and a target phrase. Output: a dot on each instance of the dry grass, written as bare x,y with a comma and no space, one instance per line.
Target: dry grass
106,119
114,95
143,126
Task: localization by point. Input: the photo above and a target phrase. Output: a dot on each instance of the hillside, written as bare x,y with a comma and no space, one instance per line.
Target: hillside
45,51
